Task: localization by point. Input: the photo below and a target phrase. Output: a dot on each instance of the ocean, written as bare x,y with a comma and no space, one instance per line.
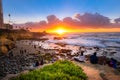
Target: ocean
90,39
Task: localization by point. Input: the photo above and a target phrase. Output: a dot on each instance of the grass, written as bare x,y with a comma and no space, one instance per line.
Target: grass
60,70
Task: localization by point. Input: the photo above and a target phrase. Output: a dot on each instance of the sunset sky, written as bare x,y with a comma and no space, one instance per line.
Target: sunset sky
23,11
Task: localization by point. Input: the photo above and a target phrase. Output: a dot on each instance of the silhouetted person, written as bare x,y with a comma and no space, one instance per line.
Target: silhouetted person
112,63
35,46
82,57
94,58
42,61
37,63
11,54
25,51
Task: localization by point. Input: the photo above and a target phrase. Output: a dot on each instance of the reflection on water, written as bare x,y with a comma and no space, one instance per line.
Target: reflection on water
91,39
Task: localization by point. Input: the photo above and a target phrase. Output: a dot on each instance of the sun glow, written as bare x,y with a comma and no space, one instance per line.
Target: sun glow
60,31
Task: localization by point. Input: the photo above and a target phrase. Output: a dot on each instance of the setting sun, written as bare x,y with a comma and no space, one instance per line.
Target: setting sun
60,31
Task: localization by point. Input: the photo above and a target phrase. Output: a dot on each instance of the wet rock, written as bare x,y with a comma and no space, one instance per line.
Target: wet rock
61,44
58,38
65,51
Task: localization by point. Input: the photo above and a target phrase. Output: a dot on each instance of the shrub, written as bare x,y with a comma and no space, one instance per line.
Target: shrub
3,50
60,70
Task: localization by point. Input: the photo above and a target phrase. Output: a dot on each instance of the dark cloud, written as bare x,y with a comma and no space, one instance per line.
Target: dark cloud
71,21
117,20
52,20
42,23
96,19
32,24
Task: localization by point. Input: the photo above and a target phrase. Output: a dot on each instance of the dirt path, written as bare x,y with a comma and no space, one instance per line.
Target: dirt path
99,72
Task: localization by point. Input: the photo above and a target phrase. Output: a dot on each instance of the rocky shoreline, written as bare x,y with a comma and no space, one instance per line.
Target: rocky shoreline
27,52
16,64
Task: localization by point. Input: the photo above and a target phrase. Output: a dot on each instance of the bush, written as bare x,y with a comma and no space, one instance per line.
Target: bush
60,70
3,50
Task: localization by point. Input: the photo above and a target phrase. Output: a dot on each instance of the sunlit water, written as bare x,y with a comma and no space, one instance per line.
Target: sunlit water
91,39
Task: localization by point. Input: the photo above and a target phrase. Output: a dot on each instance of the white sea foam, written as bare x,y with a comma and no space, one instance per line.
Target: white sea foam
91,39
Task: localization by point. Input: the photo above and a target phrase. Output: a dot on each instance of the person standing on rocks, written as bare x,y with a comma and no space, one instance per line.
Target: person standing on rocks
94,58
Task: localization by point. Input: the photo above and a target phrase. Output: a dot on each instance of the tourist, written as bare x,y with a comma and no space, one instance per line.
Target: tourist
11,54
53,60
41,61
20,51
94,58
35,46
82,57
37,63
25,51
112,63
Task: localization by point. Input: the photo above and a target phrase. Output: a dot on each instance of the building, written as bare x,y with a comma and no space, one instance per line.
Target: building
8,26
1,15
